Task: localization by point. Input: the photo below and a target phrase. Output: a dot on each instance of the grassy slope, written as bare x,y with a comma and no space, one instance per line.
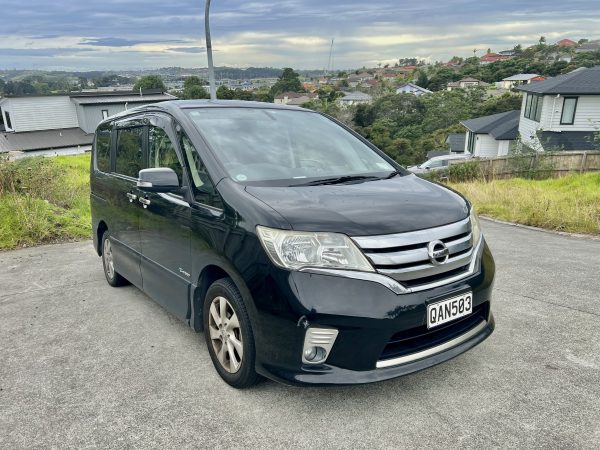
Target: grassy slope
44,200
571,203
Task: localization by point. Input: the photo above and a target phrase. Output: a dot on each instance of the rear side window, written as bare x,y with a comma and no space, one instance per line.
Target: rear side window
102,146
129,155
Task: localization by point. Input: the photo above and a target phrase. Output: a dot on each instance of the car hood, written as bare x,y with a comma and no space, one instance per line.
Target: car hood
397,205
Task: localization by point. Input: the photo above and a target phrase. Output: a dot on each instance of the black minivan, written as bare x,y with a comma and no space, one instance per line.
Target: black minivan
305,254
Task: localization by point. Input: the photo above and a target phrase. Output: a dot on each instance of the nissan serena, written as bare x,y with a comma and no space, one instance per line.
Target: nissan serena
304,253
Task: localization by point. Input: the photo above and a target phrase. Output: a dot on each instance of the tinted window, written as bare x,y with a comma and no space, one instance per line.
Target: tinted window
204,190
161,151
102,146
568,113
257,145
129,151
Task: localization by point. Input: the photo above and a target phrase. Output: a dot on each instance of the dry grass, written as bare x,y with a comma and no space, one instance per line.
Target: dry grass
571,203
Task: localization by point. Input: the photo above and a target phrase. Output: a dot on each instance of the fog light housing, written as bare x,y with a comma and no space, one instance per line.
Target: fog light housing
317,344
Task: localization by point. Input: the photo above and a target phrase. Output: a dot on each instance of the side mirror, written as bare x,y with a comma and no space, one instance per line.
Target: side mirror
160,179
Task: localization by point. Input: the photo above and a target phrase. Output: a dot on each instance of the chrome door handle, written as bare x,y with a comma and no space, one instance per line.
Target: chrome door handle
144,201
131,197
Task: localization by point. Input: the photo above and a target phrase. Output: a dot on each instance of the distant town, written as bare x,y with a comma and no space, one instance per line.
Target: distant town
411,109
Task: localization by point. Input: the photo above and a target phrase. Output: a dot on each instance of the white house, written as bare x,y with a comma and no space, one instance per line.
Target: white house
41,122
562,113
493,135
465,83
410,88
294,98
517,80
354,98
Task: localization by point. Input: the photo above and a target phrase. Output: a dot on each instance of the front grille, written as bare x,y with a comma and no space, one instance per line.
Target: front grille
420,338
404,256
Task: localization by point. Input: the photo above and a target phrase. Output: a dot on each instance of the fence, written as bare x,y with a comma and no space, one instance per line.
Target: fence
534,165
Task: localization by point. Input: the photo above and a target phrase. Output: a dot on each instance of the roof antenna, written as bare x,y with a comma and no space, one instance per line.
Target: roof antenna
211,69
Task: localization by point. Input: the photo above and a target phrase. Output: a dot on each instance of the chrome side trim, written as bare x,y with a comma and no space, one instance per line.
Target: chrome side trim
433,350
412,237
392,284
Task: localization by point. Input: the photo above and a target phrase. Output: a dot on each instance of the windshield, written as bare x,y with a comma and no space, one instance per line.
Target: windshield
284,147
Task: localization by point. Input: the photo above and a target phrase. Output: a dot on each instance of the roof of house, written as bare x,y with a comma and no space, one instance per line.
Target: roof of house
591,45
579,81
492,57
566,42
501,126
521,77
121,98
355,96
414,87
46,139
569,140
456,141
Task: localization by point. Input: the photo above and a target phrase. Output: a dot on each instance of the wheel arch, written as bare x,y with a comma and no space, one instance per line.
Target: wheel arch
102,227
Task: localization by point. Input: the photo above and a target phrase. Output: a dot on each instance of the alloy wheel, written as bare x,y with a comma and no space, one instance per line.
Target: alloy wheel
226,334
109,266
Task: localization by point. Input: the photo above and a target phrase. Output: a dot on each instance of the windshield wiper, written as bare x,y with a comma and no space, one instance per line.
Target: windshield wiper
392,175
339,180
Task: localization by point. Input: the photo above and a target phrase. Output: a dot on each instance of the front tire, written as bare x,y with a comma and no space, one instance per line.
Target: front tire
228,334
112,276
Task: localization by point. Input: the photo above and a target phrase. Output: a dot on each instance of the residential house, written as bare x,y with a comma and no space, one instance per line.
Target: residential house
591,46
354,80
370,83
493,135
517,80
456,142
562,112
364,76
508,53
294,98
465,83
489,58
566,43
42,122
410,88
354,98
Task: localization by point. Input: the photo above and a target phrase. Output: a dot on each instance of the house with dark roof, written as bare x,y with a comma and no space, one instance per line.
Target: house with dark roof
562,113
493,135
456,142
43,122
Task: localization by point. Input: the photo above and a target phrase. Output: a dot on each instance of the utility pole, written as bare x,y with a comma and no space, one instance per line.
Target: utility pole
211,69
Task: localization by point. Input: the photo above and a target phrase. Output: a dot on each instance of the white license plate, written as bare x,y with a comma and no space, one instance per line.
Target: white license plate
450,309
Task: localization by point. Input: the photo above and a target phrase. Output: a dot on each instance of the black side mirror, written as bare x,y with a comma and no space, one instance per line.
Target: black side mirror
160,179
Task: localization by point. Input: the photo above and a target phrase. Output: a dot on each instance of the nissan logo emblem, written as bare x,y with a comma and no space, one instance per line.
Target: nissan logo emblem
438,252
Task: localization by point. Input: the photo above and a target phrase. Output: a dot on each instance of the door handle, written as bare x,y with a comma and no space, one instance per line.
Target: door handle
131,197
144,201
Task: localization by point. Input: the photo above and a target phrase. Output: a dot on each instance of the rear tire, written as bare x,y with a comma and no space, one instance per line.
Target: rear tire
112,276
228,334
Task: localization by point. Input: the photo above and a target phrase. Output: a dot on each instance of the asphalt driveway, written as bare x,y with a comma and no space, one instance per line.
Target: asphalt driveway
86,365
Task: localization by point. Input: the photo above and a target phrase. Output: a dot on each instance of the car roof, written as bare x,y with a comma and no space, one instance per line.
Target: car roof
437,158
176,107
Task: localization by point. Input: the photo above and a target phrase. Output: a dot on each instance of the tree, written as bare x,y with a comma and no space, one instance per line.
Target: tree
193,88
224,93
149,82
289,81
542,40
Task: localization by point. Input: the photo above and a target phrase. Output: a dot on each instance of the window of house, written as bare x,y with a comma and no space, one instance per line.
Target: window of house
129,155
104,114
471,145
7,122
102,147
568,112
533,107
161,151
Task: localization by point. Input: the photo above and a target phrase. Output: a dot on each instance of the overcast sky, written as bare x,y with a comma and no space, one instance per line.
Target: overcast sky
133,34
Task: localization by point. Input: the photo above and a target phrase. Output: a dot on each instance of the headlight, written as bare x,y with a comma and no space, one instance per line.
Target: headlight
475,226
298,249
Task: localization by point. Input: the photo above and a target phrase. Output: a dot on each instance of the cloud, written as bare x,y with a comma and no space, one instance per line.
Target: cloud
123,34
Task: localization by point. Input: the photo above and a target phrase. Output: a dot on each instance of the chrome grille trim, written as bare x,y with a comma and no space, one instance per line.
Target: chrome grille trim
413,237
405,257
383,363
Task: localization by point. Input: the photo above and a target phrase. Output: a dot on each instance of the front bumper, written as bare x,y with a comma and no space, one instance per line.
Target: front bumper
382,334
